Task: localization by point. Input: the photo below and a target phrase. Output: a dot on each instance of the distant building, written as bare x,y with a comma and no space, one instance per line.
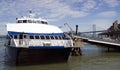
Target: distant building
112,32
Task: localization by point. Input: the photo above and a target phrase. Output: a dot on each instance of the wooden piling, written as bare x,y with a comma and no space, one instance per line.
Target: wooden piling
78,44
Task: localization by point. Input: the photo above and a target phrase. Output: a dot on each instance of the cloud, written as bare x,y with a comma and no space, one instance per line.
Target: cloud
72,1
48,8
90,4
107,14
51,9
112,3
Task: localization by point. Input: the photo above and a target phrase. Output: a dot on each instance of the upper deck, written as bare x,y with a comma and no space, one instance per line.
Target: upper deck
31,19
32,25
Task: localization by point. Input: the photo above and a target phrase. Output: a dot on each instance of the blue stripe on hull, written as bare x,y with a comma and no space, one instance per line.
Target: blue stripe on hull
47,47
45,34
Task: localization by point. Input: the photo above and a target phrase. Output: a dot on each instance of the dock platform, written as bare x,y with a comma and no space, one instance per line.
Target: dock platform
100,41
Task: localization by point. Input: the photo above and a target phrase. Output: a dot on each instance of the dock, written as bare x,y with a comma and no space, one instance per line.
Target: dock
100,41
109,38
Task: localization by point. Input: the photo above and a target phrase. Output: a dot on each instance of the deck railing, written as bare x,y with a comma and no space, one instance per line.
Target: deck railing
34,42
106,39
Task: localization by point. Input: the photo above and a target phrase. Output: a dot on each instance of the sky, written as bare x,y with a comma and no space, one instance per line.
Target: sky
84,13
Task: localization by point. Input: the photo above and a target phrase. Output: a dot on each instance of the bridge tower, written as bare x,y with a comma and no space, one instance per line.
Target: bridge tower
94,29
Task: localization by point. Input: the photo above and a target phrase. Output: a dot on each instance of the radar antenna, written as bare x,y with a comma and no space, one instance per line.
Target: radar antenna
31,15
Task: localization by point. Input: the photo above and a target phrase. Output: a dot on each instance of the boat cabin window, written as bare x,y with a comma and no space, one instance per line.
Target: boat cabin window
67,37
51,37
43,22
37,37
15,36
20,36
63,37
24,21
11,36
24,36
47,37
42,37
19,21
31,37
60,37
34,21
38,21
56,37
29,21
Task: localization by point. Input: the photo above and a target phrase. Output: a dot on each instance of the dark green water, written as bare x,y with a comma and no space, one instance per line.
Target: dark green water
94,58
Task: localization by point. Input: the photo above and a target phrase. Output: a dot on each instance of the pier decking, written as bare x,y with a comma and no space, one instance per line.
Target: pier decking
101,41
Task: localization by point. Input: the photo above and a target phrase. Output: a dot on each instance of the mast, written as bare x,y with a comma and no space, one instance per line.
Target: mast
31,15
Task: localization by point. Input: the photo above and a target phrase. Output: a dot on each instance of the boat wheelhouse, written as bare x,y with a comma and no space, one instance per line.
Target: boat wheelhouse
35,39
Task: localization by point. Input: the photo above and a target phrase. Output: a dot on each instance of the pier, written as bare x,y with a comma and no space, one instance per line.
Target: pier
99,41
109,37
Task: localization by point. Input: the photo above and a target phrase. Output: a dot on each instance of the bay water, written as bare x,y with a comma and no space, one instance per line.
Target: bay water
94,57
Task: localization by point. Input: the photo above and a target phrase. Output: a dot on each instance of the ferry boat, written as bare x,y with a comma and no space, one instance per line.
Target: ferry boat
33,40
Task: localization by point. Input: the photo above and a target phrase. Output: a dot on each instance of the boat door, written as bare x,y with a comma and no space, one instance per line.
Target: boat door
23,39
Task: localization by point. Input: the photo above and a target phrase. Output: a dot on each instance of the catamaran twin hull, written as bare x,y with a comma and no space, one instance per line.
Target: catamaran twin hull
21,56
29,48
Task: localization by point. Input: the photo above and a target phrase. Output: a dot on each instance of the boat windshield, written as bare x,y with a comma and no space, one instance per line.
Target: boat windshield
32,21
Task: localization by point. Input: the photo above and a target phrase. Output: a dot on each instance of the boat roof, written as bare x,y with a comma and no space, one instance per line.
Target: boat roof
30,24
33,28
